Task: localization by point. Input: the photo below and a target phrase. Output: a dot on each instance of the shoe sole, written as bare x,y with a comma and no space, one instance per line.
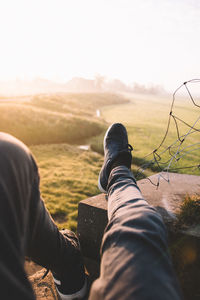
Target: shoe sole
100,187
78,295
99,183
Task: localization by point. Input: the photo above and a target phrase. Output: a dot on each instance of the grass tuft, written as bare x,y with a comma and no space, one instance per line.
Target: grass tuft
190,211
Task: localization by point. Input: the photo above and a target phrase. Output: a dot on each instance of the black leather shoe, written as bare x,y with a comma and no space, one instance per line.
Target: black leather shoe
116,148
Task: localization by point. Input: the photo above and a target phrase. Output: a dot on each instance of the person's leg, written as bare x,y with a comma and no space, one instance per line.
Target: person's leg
135,262
26,227
55,250
16,177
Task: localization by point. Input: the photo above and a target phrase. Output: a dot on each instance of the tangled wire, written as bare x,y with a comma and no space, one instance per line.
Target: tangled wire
167,158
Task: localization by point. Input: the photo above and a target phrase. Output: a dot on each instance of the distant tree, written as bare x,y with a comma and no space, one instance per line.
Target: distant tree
99,82
118,85
142,89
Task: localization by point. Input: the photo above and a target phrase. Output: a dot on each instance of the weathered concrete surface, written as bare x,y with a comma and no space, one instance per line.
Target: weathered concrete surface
92,220
167,198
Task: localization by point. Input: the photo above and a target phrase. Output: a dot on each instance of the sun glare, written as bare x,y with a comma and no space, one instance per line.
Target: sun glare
135,41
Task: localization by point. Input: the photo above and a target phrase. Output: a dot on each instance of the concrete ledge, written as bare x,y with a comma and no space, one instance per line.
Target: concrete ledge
92,220
167,198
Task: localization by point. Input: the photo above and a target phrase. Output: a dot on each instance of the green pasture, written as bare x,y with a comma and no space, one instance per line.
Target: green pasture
146,121
38,126
54,125
68,175
61,118
84,105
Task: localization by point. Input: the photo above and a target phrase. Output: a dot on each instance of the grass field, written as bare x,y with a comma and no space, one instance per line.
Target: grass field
53,126
69,118
68,175
146,121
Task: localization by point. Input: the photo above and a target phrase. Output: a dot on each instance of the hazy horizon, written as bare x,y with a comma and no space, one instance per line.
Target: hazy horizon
21,87
153,43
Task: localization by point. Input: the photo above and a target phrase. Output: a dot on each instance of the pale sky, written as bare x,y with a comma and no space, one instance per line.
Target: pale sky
144,41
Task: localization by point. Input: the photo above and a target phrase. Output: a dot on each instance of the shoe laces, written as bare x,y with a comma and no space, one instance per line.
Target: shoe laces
130,148
45,274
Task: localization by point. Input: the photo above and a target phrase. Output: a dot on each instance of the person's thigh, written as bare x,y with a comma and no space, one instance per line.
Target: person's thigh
16,178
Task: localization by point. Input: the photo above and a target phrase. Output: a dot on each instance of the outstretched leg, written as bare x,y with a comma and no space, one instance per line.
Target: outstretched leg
135,261
26,228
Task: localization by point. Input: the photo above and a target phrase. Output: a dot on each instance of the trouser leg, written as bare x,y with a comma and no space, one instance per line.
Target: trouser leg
51,249
16,179
135,261
25,225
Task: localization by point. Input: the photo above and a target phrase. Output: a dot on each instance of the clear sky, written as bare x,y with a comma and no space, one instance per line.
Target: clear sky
145,41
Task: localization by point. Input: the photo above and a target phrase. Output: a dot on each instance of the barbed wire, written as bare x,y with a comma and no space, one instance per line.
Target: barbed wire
177,150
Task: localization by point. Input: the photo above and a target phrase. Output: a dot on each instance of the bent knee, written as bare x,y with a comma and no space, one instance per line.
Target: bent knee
13,153
10,145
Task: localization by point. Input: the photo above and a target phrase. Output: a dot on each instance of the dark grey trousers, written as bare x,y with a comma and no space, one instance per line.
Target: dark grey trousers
26,228
135,262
